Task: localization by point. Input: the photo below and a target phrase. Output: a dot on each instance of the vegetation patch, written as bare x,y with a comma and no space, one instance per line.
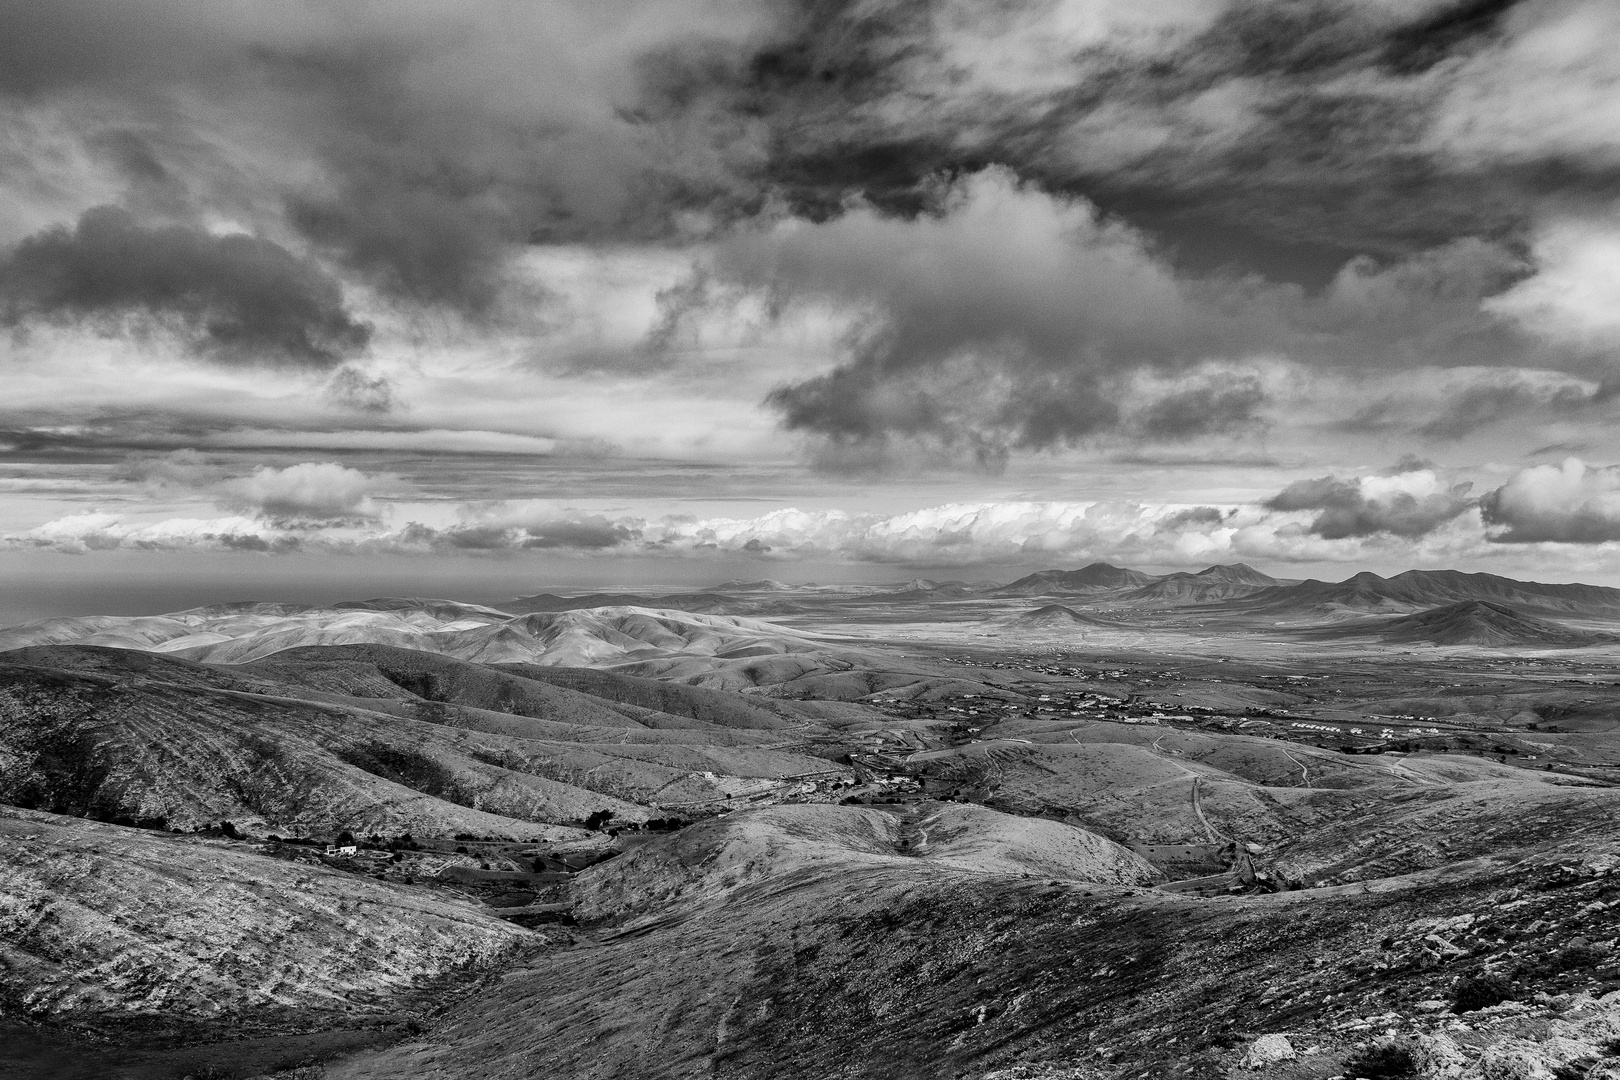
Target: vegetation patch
408,767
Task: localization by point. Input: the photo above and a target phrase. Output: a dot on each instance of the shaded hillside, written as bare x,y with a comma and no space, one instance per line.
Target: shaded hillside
711,706
1477,622
1098,577
1416,590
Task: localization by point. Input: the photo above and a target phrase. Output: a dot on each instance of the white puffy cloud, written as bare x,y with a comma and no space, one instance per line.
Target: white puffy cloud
310,491
1002,533
100,531
1574,295
1571,503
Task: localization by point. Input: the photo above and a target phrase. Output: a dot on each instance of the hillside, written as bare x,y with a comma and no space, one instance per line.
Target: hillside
1222,582
100,921
316,743
1097,577
1055,617
820,947
1417,590
240,633
1489,625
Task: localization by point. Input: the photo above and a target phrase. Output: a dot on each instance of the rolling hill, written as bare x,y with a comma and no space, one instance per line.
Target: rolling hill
1055,617
1479,622
363,738
240,633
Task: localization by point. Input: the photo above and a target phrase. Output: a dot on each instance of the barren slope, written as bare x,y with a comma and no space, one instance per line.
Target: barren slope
103,921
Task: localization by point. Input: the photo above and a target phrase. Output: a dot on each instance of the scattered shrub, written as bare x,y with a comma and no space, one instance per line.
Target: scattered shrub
1480,992
424,684
59,764
408,767
1383,1061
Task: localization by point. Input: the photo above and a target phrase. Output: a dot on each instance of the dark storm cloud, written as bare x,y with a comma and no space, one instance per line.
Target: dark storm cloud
234,297
1047,224
417,145
1012,319
1347,509
1282,137
1222,405
1481,400
429,141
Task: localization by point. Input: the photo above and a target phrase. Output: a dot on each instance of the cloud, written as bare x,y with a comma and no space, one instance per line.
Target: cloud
1409,504
1574,295
1026,533
1542,91
364,393
185,469
1010,318
80,534
1572,503
1277,137
1454,403
232,297
311,491
421,145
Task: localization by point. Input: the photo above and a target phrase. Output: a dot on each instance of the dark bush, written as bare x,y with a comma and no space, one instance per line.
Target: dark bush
228,828
1382,1061
408,767
62,767
424,684
1480,992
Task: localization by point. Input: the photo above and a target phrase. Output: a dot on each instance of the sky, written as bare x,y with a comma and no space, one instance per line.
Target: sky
304,300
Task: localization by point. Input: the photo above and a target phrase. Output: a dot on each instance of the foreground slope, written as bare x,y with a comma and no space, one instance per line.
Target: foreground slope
99,921
782,951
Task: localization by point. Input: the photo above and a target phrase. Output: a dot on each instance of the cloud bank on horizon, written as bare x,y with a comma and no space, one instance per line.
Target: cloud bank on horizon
1255,246
1407,513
